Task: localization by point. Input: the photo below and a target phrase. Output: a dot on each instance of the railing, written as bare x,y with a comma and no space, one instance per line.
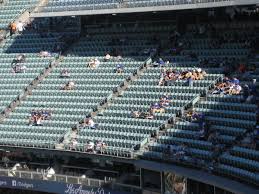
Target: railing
59,178
90,182
125,4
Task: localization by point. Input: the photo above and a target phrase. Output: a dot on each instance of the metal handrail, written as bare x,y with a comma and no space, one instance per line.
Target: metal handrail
40,176
129,4
91,182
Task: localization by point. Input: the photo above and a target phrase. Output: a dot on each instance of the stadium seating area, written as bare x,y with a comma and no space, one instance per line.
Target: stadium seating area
10,10
168,135
228,118
15,84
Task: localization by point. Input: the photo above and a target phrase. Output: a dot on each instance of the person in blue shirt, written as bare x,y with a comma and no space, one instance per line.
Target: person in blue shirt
119,68
161,62
235,81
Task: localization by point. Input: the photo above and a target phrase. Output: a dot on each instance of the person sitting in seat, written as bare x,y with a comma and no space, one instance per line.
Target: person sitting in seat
165,101
107,57
119,68
19,68
88,121
23,69
44,54
69,86
91,64
89,146
46,114
235,90
32,120
100,146
64,73
161,62
156,108
135,114
94,63
149,115
161,80
20,58
38,120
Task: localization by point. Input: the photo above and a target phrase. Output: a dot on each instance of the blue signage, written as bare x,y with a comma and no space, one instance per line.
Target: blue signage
52,187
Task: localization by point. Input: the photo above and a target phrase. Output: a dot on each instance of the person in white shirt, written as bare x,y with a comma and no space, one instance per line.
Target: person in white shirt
38,121
96,62
20,27
23,68
44,54
91,123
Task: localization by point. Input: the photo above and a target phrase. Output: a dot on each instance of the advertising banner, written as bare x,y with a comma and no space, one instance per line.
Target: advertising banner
52,187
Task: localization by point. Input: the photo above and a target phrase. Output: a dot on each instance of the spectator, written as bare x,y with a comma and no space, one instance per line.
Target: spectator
89,146
38,120
64,73
156,108
94,63
73,144
165,101
100,146
20,27
19,68
19,59
149,115
89,122
235,81
12,28
161,62
107,57
119,68
135,114
44,54
190,81
69,86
